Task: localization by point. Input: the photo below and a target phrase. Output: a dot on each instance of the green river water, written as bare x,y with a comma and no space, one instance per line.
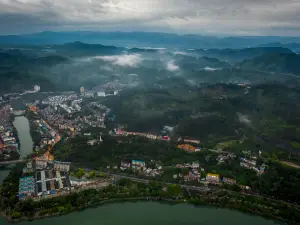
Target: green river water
151,213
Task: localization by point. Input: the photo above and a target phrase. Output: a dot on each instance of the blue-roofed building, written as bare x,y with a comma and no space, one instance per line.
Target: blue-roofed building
26,186
137,164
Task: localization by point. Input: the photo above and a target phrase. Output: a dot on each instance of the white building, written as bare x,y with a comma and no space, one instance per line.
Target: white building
82,90
40,164
89,94
101,94
36,88
61,166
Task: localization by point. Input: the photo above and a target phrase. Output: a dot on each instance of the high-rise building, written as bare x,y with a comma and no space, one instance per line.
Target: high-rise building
82,90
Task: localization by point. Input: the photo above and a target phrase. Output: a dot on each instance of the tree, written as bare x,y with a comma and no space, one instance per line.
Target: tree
91,174
15,215
80,173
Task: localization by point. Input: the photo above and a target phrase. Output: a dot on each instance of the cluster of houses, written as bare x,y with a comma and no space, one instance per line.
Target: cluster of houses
8,142
194,174
120,132
251,164
140,166
105,90
166,130
49,135
222,158
73,124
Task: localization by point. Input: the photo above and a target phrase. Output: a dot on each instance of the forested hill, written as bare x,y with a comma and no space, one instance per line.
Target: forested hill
237,55
275,62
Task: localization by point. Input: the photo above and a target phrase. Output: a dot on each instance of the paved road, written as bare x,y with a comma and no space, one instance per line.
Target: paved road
142,180
196,188
12,162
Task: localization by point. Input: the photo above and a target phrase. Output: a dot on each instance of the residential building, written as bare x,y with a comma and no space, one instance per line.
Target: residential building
211,177
187,147
137,164
89,94
40,164
61,166
92,142
82,90
101,94
229,180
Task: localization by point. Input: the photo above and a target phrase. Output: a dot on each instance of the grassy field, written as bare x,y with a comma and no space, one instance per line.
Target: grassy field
225,144
291,164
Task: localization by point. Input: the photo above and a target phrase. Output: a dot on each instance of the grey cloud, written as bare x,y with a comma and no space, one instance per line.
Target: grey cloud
183,16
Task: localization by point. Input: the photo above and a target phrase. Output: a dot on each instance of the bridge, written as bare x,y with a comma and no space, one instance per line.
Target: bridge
5,163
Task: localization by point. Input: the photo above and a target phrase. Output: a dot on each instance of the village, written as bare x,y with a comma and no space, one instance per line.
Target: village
63,114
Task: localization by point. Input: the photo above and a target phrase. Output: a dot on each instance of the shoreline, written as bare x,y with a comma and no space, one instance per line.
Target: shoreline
144,199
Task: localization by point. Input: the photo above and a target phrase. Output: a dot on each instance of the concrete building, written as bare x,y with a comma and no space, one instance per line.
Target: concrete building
101,93
61,166
40,164
82,90
89,94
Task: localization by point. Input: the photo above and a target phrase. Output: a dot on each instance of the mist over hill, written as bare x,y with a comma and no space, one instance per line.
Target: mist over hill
72,65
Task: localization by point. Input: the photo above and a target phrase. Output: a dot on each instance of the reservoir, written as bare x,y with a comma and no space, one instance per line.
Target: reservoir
150,213
21,123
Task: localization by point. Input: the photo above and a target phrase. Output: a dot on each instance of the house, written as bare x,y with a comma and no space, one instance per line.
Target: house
211,177
89,94
191,141
92,142
125,164
229,180
101,93
187,147
137,164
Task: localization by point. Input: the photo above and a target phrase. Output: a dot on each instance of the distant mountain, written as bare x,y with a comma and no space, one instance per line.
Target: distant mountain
48,60
79,48
199,63
274,62
141,39
143,50
235,55
11,59
293,46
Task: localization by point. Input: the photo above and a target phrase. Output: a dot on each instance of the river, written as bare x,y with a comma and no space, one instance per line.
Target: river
21,123
152,213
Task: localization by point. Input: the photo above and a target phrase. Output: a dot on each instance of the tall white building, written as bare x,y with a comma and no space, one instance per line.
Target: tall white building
82,90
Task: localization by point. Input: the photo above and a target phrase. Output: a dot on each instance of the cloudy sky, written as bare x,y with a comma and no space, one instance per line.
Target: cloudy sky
216,17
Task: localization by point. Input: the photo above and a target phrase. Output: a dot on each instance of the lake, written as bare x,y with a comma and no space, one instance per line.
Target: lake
151,213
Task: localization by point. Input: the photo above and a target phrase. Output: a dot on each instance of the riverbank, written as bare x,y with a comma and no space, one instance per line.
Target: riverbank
128,191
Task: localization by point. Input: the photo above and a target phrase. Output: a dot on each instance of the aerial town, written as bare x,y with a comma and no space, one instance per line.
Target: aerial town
72,115
9,146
